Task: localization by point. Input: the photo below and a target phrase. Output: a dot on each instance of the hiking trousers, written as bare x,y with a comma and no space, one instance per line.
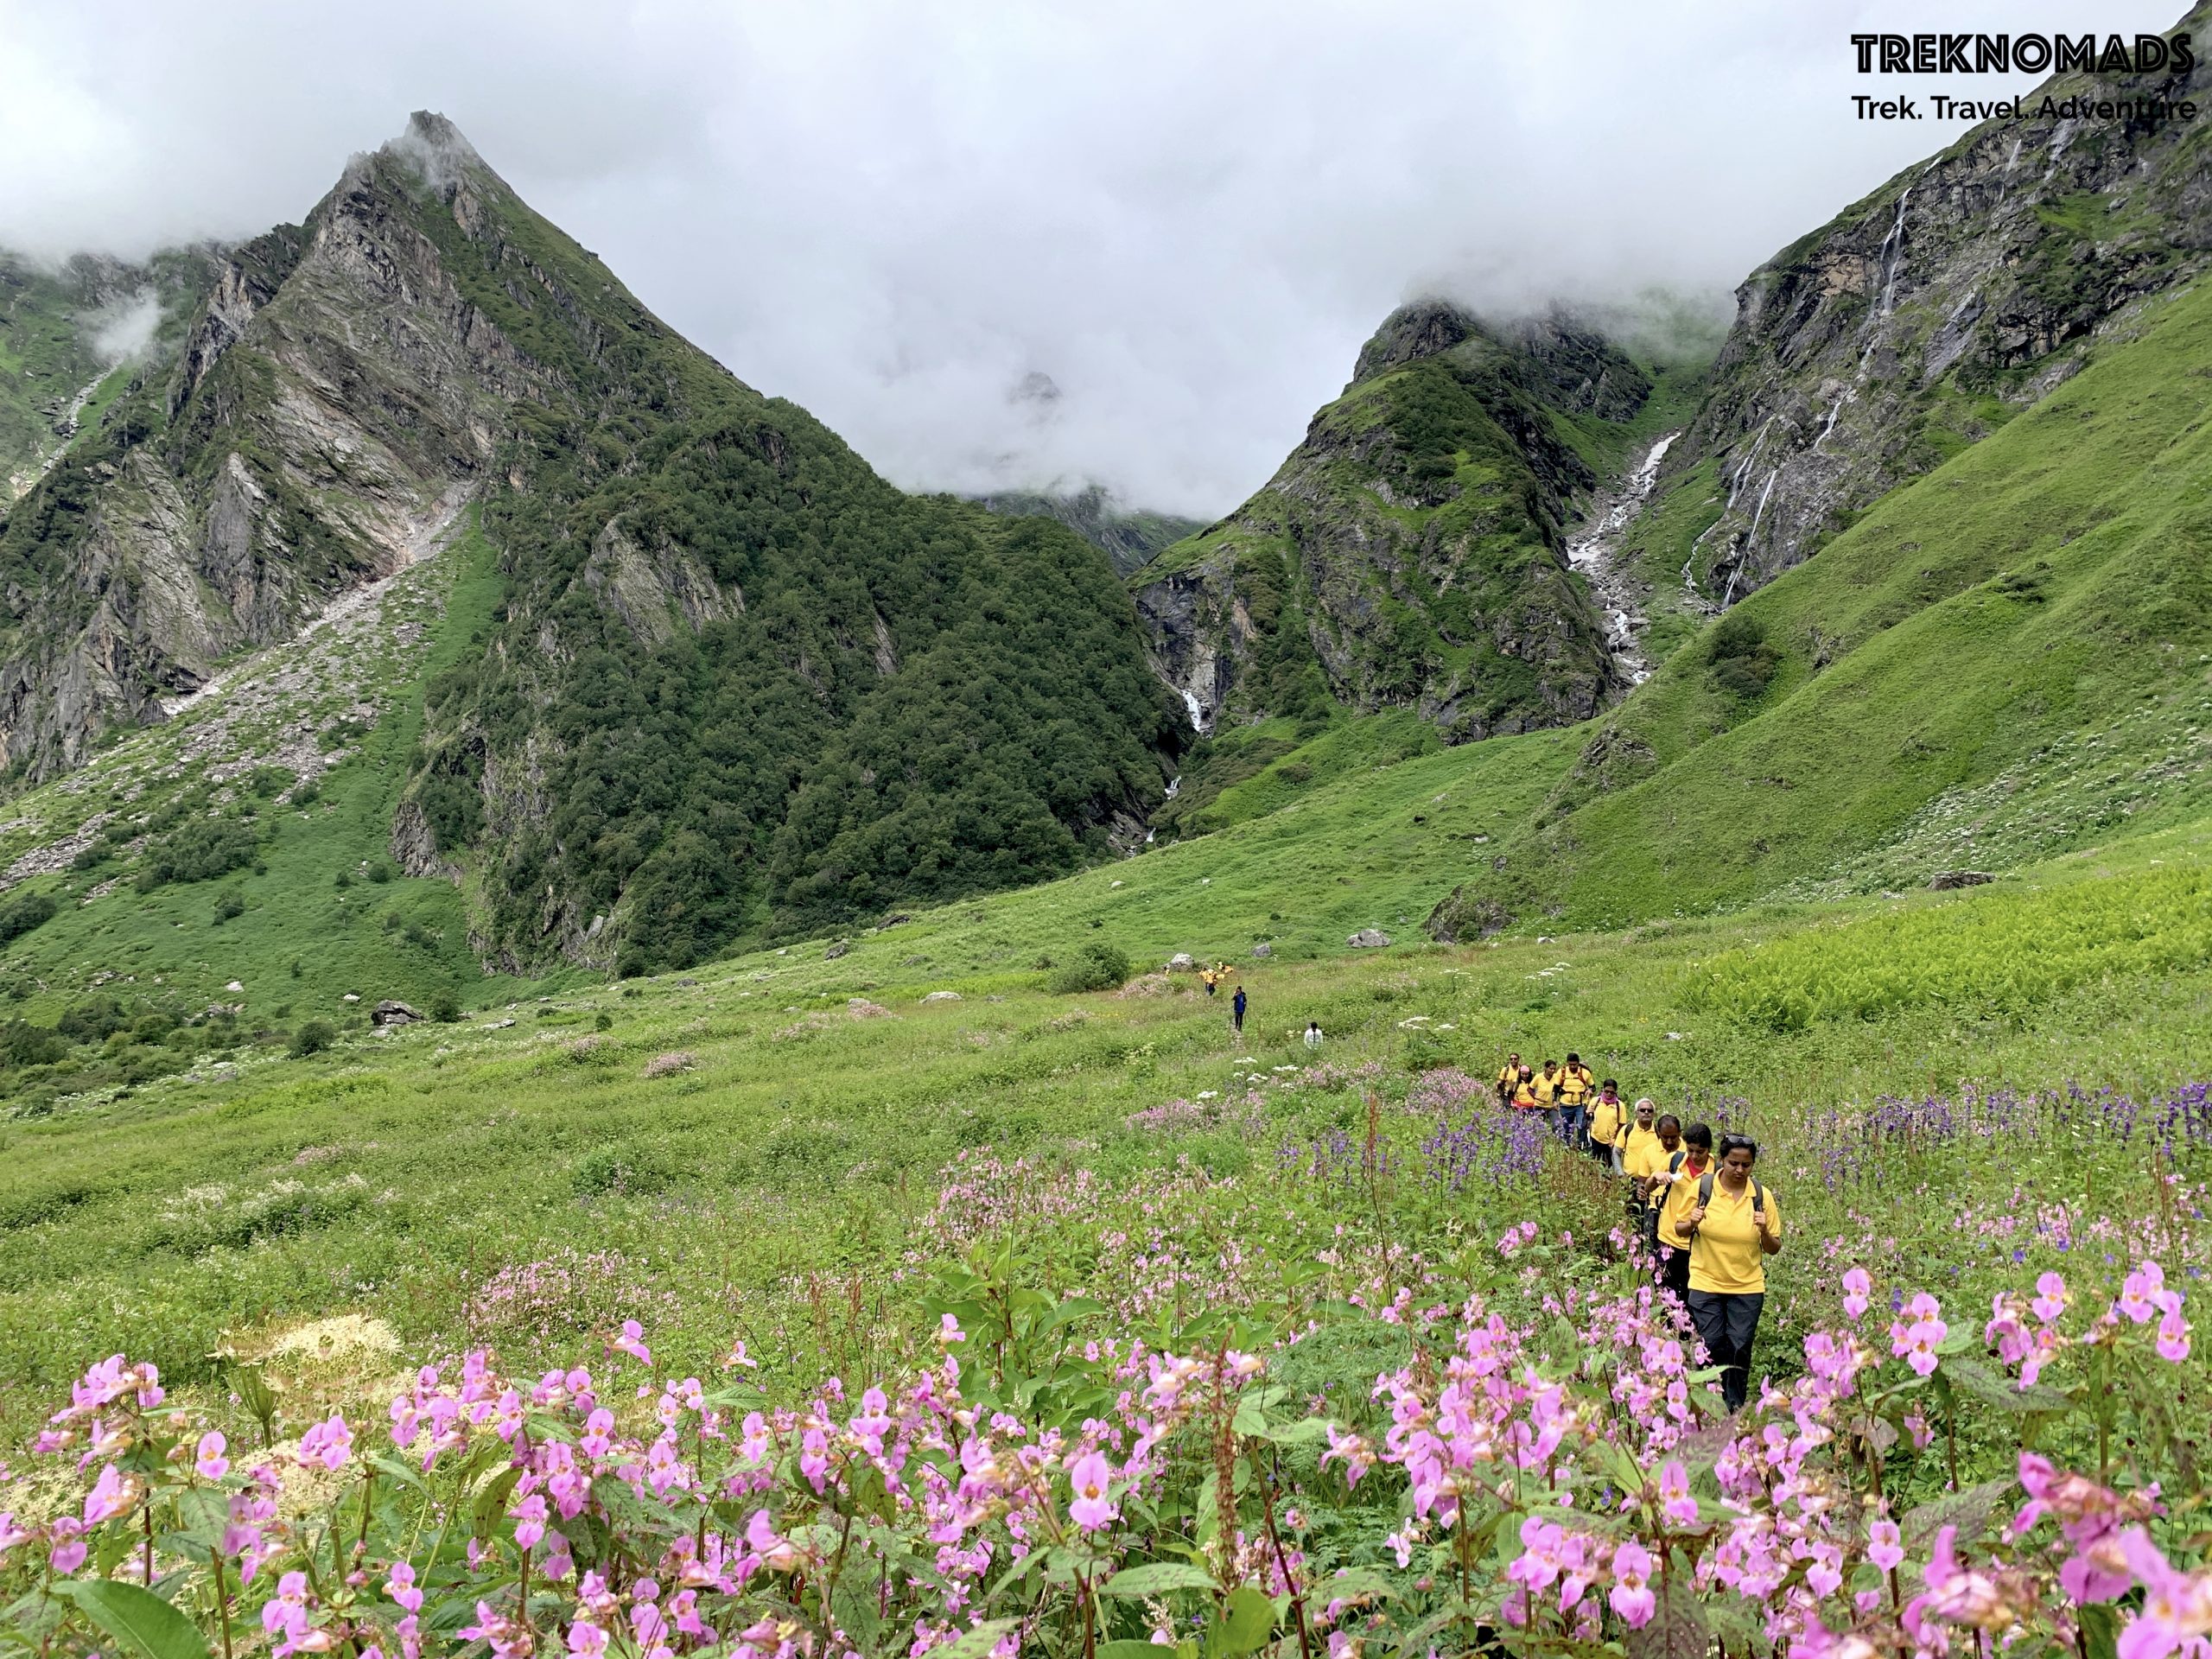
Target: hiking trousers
1726,1325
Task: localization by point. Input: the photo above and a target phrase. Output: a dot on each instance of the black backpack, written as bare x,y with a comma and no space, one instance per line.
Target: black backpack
1705,1188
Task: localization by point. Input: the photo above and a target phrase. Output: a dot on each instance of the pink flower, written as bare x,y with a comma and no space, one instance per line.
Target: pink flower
1884,1545
1914,1344
69,1551
586,1640
2173,1337
111,1494
949,1331
2177,1607
1857,1286
632,1342
529,1516
2050,1298
1358,1457
328,1443
399,1585
1632,1596
1674,1498
208,1459
2138,1295
1090,1508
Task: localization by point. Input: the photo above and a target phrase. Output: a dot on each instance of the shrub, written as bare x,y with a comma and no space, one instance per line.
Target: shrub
445,1007
231,903
617,1170
198,852
312,1039
1098,966
26,910
1742,662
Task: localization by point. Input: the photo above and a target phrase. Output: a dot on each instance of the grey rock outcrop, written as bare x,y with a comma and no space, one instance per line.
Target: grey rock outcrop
1924,315
333,392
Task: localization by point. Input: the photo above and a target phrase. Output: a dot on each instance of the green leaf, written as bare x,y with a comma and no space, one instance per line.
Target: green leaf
1129,1649
1247,1619
1969,1512
1984,1384
1416,1640
1157,1577
140,1621
2100,1624
977,1642
1676,1630
491,1500
399,1472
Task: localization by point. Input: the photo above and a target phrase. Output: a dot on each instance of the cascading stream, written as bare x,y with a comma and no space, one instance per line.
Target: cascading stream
1595,554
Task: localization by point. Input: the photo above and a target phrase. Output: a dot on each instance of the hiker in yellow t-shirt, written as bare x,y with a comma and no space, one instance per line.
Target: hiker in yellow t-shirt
1673,1190
1509,1075
1732,1224
1641,1155
1523,1098
1574,1100
1608,1119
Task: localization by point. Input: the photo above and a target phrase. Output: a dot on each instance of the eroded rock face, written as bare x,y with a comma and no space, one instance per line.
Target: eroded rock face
333,392
1959,292
1408,553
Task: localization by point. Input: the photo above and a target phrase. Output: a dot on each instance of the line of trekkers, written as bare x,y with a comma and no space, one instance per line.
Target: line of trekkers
1707,1221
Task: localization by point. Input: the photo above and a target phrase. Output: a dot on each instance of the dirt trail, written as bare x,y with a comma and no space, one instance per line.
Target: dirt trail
1594,550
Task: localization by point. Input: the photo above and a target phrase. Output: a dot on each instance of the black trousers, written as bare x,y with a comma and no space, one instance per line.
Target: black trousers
1674,1271
1726,1325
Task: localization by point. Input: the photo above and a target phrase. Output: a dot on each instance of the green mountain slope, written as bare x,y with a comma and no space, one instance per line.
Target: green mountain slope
1409,552
735,682
1130,537
1997,662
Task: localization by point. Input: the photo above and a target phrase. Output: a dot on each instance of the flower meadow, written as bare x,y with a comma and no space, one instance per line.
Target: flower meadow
1545,1470
1330,1359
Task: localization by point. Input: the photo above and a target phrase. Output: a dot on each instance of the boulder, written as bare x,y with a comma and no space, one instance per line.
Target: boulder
835,949
1949,880
1368,938
1263,949
393,1012
942,996
1181,963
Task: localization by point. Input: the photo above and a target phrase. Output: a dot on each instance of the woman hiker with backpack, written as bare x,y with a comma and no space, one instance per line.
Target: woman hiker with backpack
1733,1225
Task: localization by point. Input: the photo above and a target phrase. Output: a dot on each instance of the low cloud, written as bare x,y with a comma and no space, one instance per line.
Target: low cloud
1187,217
124,328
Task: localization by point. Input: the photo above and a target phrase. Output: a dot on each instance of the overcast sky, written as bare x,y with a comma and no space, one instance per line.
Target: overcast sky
1187,214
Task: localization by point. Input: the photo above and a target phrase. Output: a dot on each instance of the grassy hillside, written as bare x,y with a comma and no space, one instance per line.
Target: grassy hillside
1997,661
289,780
738,1147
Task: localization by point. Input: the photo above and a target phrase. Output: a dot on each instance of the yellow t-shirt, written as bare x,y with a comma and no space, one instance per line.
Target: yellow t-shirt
1507,1076
1724,1254
1641,1153
1524,1097
1606,1120
1674,1198
1575,1086
1547,1086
